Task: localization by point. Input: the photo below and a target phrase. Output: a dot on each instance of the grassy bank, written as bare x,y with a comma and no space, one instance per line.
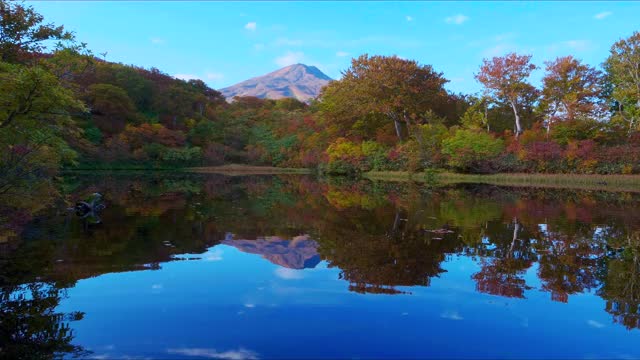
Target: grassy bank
123,166
570,181
229,169
237,169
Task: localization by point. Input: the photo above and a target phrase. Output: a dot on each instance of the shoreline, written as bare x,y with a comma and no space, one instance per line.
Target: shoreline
615,182
236,169
628,183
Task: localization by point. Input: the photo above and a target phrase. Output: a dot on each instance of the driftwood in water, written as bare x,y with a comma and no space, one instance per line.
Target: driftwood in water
90,209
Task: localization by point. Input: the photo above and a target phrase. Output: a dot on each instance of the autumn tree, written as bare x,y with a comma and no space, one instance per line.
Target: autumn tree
400,90
111,107
205,95
623,72
570,90
129,78
505,80
35,118
23,33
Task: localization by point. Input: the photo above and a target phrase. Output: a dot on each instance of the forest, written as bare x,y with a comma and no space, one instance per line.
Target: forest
63,107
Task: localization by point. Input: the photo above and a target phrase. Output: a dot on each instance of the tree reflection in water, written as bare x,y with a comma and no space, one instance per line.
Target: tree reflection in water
385,238
30,326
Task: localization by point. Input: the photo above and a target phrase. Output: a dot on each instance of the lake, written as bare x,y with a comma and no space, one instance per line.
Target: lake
219,267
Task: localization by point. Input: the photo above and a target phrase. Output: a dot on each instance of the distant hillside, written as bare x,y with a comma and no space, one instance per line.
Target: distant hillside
297,81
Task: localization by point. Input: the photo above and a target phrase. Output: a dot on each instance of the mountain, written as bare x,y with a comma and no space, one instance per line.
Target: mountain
299,81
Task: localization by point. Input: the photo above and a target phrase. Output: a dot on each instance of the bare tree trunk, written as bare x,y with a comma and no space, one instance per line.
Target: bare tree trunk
548,126
486,116
516,228
515,113
396,222
398,129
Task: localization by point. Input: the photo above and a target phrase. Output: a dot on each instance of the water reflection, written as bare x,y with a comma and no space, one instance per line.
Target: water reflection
299,252
30,326
384,238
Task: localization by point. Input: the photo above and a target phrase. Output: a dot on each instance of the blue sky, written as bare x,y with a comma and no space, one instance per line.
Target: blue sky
226,42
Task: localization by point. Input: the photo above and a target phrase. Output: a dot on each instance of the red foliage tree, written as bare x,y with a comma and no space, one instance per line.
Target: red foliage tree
505,80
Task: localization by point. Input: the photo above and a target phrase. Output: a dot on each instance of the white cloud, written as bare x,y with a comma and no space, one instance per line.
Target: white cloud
214,255
213,354
595,324
602,15
451,315
251,26
288,274
157,41
249,305
456,19
342,54
156,286
409,18
290,58
186,77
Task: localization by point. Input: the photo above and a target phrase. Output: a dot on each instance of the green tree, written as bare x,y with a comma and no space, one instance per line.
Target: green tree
401,90
476,116
22,32
34,121
202,133
623,72
111,107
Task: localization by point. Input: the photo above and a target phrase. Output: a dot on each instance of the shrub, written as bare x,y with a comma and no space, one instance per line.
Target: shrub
375,155
582,129
183,156
544,156
345,157
214,154
155,151
467,150
93,134
580,156
433,134
541,151
618,159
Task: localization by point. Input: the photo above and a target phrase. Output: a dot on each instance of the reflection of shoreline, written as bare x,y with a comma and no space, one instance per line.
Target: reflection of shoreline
298,253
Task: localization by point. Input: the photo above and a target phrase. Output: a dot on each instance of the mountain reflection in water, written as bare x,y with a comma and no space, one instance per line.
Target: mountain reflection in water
297,253
533,249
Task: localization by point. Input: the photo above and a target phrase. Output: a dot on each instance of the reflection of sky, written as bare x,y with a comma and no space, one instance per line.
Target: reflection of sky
232,305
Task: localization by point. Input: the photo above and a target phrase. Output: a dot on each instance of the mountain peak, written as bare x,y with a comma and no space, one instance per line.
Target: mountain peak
299,81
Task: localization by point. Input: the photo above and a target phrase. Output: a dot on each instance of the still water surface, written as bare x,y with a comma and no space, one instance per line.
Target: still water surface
291,266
